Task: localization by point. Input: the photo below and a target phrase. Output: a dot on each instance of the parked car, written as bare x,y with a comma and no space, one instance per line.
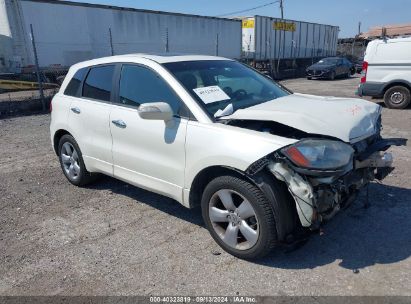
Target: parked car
265,164
387,72
330,68
358,64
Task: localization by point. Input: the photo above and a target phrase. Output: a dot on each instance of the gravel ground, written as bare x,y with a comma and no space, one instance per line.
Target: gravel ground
115,239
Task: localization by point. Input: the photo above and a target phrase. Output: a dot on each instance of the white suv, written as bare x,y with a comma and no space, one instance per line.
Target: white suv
265,164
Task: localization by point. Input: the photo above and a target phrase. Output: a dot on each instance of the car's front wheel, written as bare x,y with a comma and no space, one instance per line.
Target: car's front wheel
397,97
239,217
72,163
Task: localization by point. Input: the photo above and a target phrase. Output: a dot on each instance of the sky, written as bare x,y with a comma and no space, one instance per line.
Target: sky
344,13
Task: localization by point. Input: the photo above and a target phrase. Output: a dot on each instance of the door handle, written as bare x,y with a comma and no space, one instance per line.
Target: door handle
119,123
76,110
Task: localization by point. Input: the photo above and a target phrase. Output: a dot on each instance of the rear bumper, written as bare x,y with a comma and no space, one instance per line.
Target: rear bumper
373,89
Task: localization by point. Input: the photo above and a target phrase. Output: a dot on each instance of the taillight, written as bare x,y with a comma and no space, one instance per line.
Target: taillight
51,105
364,72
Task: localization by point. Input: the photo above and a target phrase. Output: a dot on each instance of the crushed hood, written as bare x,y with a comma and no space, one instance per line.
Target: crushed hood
348,119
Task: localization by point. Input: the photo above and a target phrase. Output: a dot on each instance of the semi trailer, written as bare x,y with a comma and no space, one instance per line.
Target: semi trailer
274,44
67,32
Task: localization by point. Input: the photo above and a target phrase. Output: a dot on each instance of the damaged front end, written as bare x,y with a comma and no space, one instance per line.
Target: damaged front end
324,176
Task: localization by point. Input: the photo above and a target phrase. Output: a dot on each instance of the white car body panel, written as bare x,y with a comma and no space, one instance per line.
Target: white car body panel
221,145
149,153
389,60
347,119
92,132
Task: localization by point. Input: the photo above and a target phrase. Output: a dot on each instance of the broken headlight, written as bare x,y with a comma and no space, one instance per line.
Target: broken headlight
319,154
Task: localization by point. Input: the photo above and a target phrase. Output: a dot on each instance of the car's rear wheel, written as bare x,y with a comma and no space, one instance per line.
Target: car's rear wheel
72,163
239,217
397,97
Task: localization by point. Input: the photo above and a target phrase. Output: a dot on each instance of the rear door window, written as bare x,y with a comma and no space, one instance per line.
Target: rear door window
99,82
72,88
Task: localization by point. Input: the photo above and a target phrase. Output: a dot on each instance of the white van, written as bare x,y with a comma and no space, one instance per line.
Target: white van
387,71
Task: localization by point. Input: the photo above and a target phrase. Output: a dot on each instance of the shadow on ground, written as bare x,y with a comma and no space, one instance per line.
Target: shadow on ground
162,203
356,238
339,78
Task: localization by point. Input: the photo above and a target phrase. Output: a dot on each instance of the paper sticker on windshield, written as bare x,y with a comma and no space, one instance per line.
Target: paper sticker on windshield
211,94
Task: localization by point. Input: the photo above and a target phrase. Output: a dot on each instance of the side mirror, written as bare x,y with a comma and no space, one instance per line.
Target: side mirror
155,111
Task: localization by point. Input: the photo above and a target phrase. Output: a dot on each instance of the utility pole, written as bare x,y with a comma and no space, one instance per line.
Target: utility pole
359,28
282,9
283,36
38,73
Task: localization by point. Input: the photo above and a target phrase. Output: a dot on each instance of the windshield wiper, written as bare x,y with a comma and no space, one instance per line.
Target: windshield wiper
228,110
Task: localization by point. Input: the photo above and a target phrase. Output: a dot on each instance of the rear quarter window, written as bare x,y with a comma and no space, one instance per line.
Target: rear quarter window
73,87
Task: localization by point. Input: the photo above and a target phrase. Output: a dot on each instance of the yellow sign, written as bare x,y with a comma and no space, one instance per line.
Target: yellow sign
248,23
284,26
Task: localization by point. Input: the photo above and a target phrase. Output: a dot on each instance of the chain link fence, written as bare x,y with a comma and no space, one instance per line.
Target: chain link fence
32,87
23,92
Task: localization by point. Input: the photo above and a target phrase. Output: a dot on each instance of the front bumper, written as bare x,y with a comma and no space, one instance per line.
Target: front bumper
318,73
373,89
319,196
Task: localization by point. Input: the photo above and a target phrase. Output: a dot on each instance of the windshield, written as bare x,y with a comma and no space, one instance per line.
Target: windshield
224,85
328,61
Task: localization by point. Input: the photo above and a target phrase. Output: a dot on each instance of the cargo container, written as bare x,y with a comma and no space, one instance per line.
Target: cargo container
68,32
273,44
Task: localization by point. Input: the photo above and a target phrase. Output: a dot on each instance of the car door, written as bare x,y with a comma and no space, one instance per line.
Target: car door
148,153
89,118
339,70
349,66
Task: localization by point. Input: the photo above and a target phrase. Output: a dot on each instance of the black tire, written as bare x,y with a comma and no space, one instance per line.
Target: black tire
332,75
267,237
309,78
84,177
397,97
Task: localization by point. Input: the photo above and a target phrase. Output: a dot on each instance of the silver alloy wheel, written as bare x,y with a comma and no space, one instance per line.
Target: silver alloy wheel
69,158
238,227
397,97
